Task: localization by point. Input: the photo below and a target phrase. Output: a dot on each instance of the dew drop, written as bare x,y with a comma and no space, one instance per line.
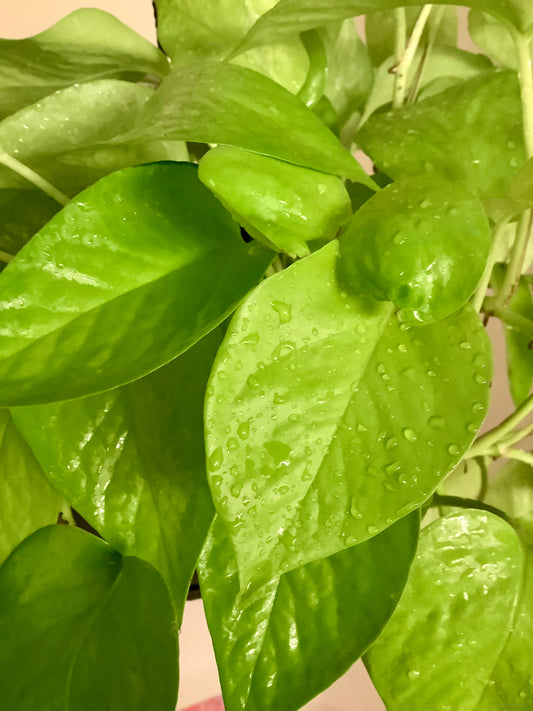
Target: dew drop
361,329
409,434
402,348
453,449
354,511
391,442
372,530
480,379
236,490
232,444
283,311
215,460
243,430
413,674
392,467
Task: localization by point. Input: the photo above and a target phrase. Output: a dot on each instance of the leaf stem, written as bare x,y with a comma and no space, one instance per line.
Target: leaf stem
494,437
404,64
525,74
479,295
6,257
433,31
33,177
459,502
515,321
520,455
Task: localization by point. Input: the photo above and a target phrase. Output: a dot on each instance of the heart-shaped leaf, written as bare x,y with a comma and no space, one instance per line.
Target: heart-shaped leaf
86,45
141,266
131,462
291,638
81,626
327,419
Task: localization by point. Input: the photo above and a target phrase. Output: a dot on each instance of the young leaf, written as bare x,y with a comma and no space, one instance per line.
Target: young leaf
327,420
86,45
471,134
131,462
28,500
81,626
291,638
287,204
222,103
493,38
434,646
65,137
123,280
421,243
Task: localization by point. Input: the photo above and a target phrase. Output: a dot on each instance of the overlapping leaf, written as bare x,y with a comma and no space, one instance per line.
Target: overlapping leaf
434,649
327,420
81,627
139,268
131,461
291,638
86,45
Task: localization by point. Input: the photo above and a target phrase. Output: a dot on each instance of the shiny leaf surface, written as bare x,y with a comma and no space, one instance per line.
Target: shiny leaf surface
28,502
312,444
421,243
110,290
86,45
223,103
287,204
434,649
291,638
131,462
471,134
81,626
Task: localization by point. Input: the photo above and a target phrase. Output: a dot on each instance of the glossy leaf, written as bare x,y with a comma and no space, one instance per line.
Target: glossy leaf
131,462
421,243
291,638
22,214
81,626
27,499
222,103
111,289
86,45
471,134
65,137
327,420
434,649
287,204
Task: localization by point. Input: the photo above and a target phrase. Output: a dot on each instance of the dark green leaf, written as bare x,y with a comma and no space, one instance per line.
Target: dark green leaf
222,103
327,420
27,499
421,243
131,462
22,214
66,136
436,650
287,204
288,640
86,45
139,268
471,134
81,628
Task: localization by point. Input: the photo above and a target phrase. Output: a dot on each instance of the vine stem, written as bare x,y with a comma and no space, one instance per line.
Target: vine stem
518,454
516,264
459,502
433,31
479,296
517,322
492,438
525,74
404,64
33,177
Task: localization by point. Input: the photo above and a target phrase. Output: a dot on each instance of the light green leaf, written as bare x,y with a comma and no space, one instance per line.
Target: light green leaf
287,204
27,499
327,420
421,243
141,266
86,45
471,134
290,639
493,38
131,462
81,626
434,652
65,137
223,103
22,214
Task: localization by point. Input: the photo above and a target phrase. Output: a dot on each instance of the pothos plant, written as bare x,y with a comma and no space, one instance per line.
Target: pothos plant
226,347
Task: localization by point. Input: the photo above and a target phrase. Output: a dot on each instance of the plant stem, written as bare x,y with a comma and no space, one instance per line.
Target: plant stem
6,257
433,31
525,74
33,177
484,444
516,264
459,502
404,64
520,455
515,321
479,296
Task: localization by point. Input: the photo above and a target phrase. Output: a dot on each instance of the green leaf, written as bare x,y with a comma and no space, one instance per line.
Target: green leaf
290,639
81,627
327,420
28,500
287,204
380,28
421,243
86,45
471,134
493,38
22,214
222,103
131,462
66,136
434,649
114,287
